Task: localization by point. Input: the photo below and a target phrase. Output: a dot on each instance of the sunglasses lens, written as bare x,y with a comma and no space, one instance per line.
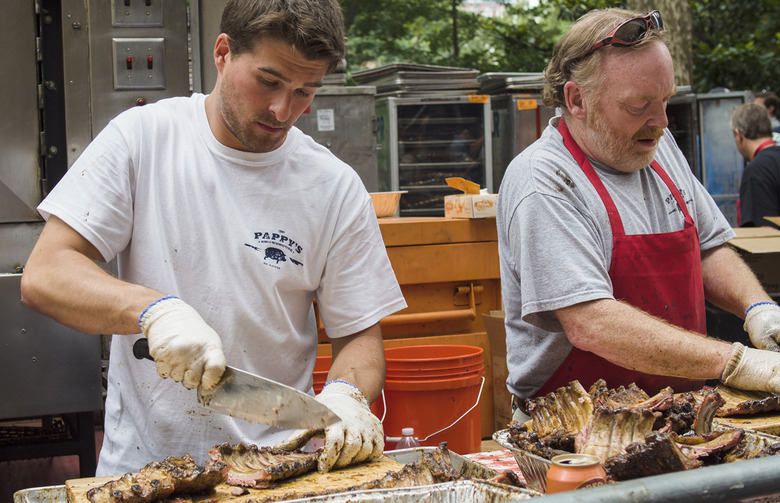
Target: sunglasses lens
630,32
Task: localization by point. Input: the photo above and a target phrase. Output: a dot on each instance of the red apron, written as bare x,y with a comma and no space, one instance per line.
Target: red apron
657,273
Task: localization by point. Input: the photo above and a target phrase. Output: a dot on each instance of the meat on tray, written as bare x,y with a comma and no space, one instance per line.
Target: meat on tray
740,402
159,480
633,434
253,466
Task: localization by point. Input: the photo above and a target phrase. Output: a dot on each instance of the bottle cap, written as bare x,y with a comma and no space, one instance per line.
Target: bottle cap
407,432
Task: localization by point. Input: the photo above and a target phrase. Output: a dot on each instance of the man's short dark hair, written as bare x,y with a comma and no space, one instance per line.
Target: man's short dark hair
315,28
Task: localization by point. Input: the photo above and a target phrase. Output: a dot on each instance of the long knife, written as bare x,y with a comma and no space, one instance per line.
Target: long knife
258,400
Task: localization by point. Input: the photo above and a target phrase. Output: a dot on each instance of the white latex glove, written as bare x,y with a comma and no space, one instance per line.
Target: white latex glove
762,324
357,437
752,369
184,347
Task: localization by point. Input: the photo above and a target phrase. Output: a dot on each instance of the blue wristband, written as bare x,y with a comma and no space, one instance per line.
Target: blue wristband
150,306
766,302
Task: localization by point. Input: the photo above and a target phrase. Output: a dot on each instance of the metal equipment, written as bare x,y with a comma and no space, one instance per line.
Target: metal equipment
75,65
422,141
343,119
518,121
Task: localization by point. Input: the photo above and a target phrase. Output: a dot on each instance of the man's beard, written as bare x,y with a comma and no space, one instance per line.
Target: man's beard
615,148
247,132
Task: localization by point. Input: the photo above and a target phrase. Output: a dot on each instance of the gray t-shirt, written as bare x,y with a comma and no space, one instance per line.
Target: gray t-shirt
555,241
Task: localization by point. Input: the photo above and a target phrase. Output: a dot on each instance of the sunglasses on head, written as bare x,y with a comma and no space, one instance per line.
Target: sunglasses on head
630,31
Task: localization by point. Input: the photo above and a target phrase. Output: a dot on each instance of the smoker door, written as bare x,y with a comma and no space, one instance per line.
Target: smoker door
20,170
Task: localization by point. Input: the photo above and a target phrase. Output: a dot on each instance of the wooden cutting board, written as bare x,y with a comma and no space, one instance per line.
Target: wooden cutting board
289,489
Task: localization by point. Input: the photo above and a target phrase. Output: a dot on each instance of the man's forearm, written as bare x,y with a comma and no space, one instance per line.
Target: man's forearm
631,338
62,281
360,360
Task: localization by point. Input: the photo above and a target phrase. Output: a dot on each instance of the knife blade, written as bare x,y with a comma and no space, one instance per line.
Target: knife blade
257,399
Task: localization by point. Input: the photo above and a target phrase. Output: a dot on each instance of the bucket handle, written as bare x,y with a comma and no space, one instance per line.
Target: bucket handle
396,439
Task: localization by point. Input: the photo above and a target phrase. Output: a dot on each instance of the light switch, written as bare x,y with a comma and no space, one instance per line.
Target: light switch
136,13
139,63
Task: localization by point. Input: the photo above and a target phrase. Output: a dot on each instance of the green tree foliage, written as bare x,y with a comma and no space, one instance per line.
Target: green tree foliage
736,43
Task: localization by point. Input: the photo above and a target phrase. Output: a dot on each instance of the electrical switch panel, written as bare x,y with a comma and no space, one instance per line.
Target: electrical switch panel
137,13
139,63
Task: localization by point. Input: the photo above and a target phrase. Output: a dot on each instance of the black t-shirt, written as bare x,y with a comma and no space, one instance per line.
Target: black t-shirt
759,191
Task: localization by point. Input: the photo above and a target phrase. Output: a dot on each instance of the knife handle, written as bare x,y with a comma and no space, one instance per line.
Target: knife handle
141,349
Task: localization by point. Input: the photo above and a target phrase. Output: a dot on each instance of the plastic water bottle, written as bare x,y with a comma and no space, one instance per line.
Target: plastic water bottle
407,439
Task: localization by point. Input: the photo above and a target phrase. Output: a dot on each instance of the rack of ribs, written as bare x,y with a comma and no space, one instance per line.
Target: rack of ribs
253,466
159,480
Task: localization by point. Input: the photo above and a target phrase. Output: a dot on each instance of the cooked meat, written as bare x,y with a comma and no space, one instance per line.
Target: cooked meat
706,411
609,431
700,447
544,447
632,396
252,466
657,455
160,479
739,402
567,408
680,417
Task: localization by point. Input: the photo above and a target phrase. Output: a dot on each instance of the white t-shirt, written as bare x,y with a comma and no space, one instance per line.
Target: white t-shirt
555,241
248,240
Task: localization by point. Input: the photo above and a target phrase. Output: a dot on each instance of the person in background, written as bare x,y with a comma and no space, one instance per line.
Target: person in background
226,223
608,243
769,100
759,189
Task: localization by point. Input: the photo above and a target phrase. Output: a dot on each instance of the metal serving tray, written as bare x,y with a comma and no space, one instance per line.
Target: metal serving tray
476,491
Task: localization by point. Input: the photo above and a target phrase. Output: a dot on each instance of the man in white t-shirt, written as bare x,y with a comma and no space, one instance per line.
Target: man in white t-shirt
609,245
226,223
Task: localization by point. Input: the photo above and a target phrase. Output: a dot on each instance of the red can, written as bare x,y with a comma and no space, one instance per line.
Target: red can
574,471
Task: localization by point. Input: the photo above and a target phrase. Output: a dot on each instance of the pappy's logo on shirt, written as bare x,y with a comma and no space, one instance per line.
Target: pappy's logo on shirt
276,247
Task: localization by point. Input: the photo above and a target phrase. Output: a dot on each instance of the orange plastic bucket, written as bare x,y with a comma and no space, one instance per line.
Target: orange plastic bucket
440,408
321,368
432,357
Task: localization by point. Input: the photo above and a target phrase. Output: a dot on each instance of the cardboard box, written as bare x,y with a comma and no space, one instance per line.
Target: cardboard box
502,399
473,203
470,206
759,247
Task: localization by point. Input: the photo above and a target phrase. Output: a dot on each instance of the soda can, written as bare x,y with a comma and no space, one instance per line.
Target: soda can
574,471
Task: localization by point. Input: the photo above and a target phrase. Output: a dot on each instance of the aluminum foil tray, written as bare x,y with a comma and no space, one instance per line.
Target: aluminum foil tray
473,491
534,468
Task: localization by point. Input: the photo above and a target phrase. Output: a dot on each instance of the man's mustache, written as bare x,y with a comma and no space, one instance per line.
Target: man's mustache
649,134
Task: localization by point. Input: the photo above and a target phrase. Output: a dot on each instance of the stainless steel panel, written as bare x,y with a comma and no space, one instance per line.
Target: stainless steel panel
108,102
20,170
343,120
16,243
206,16
53,369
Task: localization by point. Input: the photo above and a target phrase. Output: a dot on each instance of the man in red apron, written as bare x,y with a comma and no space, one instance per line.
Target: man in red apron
609,244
